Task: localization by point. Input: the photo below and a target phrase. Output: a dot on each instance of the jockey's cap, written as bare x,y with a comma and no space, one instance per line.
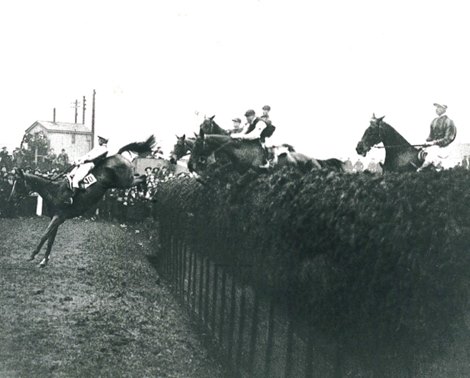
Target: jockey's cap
237,120
266,107
101,139
250,112
440,106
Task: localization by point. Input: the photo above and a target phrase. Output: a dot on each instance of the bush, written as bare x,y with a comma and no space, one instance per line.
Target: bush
379,264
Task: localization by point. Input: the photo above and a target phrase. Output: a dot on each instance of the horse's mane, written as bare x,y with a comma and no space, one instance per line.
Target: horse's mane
139,147
399,139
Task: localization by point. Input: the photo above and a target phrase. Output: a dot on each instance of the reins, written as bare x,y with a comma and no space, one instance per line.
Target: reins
404,145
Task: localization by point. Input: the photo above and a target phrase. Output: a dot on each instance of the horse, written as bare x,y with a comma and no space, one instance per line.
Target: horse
285,155
243,155
183,147
209,126
112,172
400,155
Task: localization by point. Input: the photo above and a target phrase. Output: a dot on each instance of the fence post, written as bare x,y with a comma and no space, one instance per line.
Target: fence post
190,272
269,343
206,292
254,332
241,327
309,354
201,285
231,321
223,297
215,279
290,344
193,299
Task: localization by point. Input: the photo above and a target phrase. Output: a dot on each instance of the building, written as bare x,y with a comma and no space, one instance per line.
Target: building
75,138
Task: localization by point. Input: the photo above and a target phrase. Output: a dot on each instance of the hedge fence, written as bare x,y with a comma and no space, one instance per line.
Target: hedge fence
377,264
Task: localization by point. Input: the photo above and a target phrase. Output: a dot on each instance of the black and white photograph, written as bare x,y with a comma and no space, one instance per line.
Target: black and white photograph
251,188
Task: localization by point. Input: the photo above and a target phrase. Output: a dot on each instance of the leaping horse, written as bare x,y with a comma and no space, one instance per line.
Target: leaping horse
113,172
183,147
400,155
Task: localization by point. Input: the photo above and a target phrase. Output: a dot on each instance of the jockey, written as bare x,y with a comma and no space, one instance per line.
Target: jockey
254,130
265,117
442,134
236,126
84,165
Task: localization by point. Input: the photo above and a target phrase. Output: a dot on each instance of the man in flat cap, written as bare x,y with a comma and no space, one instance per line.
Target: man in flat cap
442,134
254,127
265,117
254,130
237,126
84,165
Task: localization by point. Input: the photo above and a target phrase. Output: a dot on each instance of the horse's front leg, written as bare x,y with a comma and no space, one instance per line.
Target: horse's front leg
52,226
50,242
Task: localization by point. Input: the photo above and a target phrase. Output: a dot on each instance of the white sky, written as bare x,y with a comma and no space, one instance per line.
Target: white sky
323,66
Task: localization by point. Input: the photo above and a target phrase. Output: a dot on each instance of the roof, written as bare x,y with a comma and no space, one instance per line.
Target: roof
62,127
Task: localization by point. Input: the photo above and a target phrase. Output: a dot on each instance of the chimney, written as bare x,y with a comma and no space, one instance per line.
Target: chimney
53,116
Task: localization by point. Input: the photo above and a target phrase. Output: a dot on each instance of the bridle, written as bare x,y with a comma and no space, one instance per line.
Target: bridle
397,145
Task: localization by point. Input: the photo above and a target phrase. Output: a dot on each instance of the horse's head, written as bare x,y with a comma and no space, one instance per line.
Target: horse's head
371,137
20,188
179,150
207,126
199,154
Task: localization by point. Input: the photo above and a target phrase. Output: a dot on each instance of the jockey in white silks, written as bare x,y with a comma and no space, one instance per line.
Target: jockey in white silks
442,134
84,165
254,130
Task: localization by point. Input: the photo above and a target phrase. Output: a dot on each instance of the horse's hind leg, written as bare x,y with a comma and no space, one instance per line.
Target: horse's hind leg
55,222
50,242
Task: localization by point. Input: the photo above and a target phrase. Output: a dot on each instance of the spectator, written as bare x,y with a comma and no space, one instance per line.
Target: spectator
5,158
358,166
62,159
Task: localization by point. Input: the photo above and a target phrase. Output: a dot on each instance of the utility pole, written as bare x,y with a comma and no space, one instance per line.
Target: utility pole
83,110
93,120
76,105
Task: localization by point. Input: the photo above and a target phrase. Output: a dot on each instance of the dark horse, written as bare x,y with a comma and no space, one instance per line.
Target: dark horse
183,147
244,155
209,126
113,172
400,156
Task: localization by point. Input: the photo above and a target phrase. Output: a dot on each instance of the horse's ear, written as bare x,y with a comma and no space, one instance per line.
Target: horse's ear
195,135
212,118
373,116
183,137
381,118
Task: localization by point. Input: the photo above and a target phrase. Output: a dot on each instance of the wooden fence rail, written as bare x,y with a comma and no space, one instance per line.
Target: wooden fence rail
253,331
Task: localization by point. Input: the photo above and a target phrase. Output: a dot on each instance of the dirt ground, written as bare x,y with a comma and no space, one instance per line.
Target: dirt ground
98,310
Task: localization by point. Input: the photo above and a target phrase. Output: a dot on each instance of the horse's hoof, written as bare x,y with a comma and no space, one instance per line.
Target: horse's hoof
43,264
31,258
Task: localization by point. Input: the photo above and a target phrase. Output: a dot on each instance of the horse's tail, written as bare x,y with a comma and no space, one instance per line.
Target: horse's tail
140,147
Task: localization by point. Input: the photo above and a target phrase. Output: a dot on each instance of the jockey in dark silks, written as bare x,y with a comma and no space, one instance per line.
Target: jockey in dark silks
256,129
442,134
